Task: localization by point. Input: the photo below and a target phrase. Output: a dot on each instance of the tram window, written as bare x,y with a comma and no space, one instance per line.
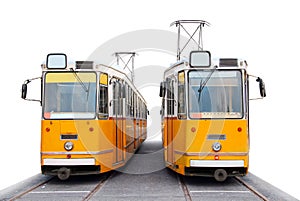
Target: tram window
181,101
114,98
138,108
220,97
103,101
170,97
120,98
127,100
131,103
116,95
67,98
181,96
142,110
135,105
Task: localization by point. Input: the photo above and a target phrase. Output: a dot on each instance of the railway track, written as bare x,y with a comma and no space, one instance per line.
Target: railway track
99,186
38,189
184,188
188,194
161,185
157,185
30,189
251,188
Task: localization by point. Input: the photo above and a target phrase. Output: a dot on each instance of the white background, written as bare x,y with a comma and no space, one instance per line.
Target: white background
265,33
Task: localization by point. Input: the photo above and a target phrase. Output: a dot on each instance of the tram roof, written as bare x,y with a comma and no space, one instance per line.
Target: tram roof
219,63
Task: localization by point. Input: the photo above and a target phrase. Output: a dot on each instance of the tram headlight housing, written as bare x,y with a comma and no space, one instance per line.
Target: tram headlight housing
217,146
69,146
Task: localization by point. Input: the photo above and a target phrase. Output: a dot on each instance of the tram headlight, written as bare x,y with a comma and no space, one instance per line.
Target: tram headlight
68,146
216,146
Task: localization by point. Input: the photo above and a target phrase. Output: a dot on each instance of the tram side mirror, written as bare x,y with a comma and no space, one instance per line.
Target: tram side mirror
262,87
200,59
25,87
24,91
56,61
162,89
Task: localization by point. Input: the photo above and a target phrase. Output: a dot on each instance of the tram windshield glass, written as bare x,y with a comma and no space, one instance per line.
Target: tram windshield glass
215,94
69,95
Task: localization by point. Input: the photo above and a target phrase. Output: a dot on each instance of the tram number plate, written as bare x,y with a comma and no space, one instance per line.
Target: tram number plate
68,137
216,137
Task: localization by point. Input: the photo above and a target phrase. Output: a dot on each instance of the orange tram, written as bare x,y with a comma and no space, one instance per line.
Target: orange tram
93,117
205,115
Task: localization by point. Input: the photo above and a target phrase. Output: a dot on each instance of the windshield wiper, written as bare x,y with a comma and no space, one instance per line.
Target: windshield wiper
203,83
86,89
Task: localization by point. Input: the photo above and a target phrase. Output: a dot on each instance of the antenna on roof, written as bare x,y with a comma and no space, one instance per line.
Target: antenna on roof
120,56
200,24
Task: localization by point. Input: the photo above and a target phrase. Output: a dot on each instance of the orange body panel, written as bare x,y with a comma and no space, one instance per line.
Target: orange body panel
193,140
95,139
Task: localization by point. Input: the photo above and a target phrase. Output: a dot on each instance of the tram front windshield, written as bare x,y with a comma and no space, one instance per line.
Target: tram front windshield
215,94
69,95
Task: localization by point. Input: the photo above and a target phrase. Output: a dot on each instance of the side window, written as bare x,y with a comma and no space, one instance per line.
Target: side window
116,97
139,108
103,96
127,100
135,105
170,97
163,106
131,103
120,97
145,112
114,100
181,96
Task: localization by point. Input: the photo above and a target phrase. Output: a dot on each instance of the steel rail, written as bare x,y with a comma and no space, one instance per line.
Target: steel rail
184,188
99,185
251,188
30,189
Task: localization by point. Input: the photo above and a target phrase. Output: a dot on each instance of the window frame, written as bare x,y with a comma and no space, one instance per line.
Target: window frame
183,105
105,114
243,97
44,96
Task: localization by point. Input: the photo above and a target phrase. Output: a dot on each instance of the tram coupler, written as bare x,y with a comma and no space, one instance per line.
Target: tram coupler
220,175
63,173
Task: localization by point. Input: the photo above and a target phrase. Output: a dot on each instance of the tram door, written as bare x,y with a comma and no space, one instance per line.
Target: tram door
118,120
170,115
